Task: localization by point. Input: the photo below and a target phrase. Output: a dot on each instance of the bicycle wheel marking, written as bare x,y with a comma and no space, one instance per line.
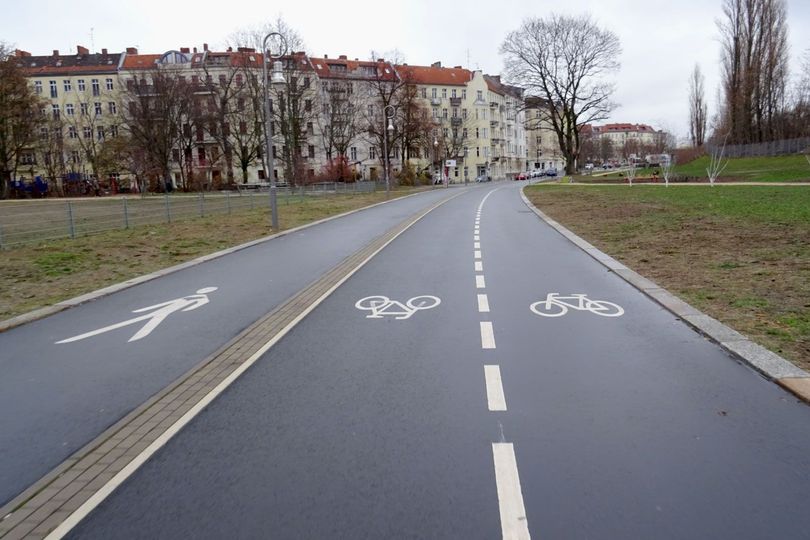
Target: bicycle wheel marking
557,305
382,306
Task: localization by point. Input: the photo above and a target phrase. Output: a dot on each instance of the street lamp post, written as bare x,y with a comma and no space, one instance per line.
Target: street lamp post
278,77
389,128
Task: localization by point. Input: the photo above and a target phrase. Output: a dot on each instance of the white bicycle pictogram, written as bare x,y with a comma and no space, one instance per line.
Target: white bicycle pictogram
382,306
556,306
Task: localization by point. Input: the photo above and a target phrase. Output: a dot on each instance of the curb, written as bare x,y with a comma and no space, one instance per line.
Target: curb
768,363
41,313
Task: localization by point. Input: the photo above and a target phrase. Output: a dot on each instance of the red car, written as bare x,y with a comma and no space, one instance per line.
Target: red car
521,176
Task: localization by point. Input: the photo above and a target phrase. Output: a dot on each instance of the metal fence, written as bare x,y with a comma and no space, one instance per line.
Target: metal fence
32,221
771,148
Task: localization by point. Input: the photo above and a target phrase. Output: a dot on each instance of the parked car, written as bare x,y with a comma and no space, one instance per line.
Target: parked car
483,178
520,176
551,171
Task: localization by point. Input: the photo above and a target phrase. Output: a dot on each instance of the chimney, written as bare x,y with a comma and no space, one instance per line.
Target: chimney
343,57
81,50
230,49
56,52
21,54
456,67
195,50
326,57
205,46
381,60
436,65
104,52
132,50
186,50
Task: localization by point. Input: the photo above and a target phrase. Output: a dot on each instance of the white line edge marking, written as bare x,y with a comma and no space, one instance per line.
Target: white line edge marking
477,254
98,497
496,399
483,303
514,525
480,282
487,335
479,266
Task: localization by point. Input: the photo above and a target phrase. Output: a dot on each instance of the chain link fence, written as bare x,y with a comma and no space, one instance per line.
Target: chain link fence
771,148
33,221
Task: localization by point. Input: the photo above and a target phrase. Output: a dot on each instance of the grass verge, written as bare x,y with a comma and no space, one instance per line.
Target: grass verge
39,275
739,253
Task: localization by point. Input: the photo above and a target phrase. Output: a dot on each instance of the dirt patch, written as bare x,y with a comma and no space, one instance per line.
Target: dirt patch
752,274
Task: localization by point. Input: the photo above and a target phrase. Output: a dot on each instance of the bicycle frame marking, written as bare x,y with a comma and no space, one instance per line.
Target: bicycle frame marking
382,306
557,305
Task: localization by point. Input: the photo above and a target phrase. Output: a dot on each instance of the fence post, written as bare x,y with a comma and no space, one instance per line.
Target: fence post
126,214
228,201
168,208
71,226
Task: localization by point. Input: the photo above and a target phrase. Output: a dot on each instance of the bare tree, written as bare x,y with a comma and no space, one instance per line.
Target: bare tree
20,117
630,172
50,147
666,168
339,123
563,60
717,163
698,110
754,61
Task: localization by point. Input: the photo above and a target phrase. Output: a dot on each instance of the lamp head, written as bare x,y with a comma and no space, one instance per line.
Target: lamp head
278,74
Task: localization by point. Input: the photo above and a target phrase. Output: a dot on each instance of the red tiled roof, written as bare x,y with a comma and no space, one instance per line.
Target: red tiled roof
140,61
343,68
626,127
435,75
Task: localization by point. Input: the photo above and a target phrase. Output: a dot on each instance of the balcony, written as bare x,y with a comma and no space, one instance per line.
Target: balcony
455,102
493,104
455,121
493,123
435,101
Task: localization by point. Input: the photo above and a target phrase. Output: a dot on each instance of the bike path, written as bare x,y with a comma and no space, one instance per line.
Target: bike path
56,397
632,426
625,427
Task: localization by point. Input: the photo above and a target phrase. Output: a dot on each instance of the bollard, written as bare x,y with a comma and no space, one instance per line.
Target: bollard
126,214
71,225
168,208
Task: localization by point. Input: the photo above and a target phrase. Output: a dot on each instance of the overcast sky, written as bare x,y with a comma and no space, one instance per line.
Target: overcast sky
661,40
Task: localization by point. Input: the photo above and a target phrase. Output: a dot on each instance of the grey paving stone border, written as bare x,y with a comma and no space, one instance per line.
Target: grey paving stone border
41,313
99,467
766,362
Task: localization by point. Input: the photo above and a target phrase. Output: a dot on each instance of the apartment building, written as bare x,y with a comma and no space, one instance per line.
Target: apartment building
507,121
82,108
543,149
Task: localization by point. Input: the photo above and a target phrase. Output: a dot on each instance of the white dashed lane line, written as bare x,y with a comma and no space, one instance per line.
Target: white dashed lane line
483,303
480,282
477,254
496,399
487,335
479,266
514,524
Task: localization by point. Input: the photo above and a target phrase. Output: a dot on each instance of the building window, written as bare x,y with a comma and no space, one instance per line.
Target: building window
80,85
72,133
371,110
94,84
109,84
74,157
100,133
464,113
464,133
433,93
38,87
54,93
477,151
83,108
112,107
67,85
444,113
424,93
69,109
480,95
444,93
55,111
311,151
353,153
98,108
463,93
453,93
372,152
88,132
455,112
113,131
223,80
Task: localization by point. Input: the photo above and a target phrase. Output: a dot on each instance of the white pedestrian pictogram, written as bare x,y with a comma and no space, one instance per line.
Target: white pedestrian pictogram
382,306
556,305
161,311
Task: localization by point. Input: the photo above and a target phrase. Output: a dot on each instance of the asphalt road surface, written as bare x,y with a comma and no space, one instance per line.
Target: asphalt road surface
56,397
480,378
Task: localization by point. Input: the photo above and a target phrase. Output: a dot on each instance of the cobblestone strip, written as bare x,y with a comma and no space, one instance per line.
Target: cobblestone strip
52,500
766,362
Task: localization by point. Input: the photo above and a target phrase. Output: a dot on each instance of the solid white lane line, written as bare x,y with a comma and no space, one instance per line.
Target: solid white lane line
479,266
483,303
477,254
496,400
487,335
514,525
480,282
477,245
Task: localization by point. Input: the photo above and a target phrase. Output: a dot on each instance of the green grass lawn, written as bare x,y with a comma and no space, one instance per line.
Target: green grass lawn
758,169
739,253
